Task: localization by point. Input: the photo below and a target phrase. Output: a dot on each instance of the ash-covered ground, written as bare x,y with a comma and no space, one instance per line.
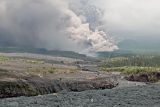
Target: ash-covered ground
140,96
68,82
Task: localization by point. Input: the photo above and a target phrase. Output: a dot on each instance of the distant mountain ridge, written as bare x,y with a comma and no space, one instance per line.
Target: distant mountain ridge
139,45
69,54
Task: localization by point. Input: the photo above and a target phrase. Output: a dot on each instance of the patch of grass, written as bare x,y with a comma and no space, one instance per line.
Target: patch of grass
4,58
50,70
131,70
34,61
42,71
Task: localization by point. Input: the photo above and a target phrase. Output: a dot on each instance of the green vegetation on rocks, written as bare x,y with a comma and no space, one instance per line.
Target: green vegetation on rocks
131,70
137,60
4,58
141,68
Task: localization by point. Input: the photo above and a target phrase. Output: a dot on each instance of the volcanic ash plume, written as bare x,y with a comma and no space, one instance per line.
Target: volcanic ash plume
51,24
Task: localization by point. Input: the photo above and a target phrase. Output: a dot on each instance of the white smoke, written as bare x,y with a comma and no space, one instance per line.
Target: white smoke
52,24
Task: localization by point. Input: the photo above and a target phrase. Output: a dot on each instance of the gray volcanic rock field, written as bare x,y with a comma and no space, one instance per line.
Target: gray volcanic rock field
72,82
140,96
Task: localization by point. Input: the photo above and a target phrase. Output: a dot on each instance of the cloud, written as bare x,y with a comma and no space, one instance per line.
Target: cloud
131,17
51,24
34,23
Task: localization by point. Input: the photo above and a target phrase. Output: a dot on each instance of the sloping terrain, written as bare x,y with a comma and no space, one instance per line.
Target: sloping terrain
68,82
24,74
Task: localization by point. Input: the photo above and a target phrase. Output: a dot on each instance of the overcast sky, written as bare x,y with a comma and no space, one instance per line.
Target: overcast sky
132,18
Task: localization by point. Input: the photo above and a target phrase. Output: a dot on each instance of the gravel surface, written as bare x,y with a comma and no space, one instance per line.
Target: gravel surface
140,96
126,94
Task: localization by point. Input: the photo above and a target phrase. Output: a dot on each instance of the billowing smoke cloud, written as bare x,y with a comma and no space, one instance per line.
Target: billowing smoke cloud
132,18
54,25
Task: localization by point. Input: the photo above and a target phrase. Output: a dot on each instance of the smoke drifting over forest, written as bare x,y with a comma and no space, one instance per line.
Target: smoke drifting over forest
72,25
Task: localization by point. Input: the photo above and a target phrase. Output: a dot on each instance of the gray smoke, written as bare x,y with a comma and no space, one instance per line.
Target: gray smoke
53,24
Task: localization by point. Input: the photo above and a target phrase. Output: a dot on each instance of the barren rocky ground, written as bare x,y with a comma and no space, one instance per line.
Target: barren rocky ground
24,74
139,96
68,82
